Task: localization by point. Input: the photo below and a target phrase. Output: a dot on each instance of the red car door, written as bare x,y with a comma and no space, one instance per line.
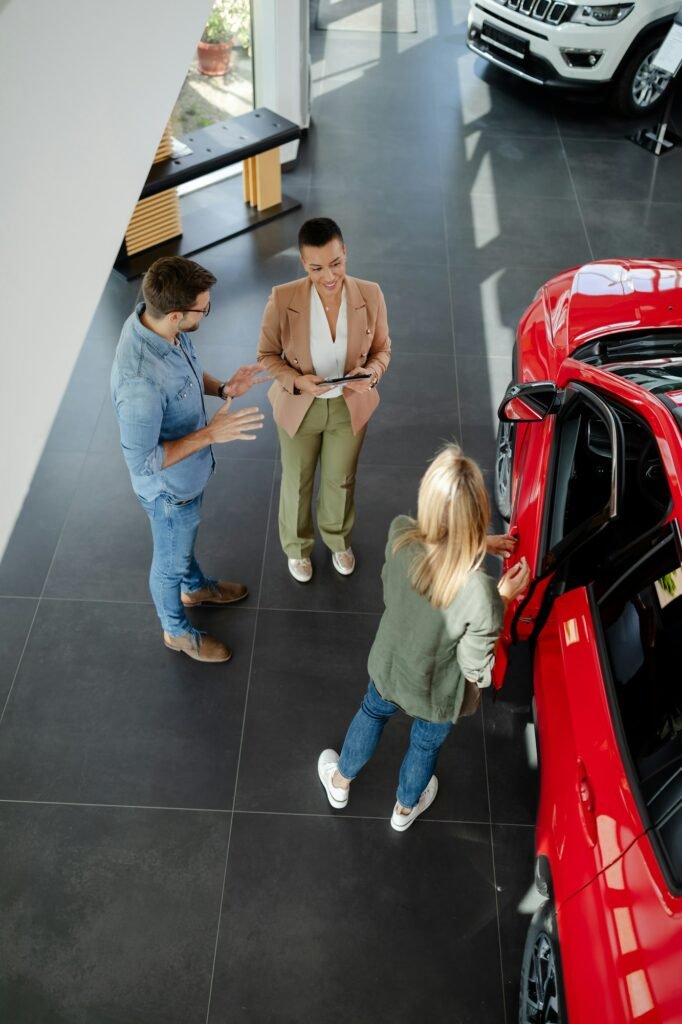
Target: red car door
587,815
540,478
632,925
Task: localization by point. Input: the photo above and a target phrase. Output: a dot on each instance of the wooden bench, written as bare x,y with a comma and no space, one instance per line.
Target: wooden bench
163,224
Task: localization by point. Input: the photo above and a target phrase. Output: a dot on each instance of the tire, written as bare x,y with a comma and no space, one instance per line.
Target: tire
541,998
640,88
504,461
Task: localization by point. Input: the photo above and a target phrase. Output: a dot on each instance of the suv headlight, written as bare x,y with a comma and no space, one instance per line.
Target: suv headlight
611,14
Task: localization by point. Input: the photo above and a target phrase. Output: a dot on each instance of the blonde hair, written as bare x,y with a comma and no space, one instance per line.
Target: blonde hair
453,512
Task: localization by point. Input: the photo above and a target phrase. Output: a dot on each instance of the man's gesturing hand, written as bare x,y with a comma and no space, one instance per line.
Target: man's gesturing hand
235,426
244,379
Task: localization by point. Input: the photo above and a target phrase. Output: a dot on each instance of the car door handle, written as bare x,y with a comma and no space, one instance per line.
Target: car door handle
585,796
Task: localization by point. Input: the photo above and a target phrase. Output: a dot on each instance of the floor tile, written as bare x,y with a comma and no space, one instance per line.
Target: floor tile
378,229
116,302
517,898
489,232
348,158
484,381
108,914
418,304
298,707
87,390
337,914
105,550
16,616
512,762
635,230
101,712
31,547
381,494
489,98
594,119
485,162
616,169
488,304
418,411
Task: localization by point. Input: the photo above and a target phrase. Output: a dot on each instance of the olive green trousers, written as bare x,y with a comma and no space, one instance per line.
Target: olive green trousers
324,436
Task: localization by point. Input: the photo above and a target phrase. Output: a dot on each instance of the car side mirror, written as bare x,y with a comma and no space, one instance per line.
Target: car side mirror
528,403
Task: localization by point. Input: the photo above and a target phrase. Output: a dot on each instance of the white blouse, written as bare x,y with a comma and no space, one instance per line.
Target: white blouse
328,356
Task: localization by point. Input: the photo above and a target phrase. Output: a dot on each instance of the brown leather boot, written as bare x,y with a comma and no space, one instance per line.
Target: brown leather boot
216,593
201,647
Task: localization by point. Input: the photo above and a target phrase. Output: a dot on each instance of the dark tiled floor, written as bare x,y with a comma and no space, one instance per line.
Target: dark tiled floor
166,852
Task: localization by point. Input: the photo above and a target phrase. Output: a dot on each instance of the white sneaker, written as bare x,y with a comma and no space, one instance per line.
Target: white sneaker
301,569
402,821
344,561
327,763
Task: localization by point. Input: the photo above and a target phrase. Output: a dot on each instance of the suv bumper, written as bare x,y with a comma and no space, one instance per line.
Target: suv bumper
536,50
532,68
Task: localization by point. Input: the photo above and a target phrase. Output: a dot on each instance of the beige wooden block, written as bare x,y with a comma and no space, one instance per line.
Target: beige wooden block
268,179
249,181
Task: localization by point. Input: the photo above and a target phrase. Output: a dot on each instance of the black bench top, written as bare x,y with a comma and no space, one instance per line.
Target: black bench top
225,143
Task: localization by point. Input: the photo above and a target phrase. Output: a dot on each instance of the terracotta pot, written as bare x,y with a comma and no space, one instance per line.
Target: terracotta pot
214,58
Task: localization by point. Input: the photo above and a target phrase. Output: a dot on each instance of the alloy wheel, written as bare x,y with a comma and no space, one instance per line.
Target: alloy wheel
649,83
503,469
541,999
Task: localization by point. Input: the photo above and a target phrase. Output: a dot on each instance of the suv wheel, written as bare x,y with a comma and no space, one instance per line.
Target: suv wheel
504,458
640,86
540,999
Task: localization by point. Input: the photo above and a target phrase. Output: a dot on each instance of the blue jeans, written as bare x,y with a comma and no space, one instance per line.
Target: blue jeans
174,567
364,732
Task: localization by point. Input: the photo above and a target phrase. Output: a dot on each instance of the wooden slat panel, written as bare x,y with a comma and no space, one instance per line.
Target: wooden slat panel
165,147
154,220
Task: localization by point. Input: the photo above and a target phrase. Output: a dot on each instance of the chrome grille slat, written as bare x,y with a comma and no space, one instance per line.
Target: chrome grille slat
553,12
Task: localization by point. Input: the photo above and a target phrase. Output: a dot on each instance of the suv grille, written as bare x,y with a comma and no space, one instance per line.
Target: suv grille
552,12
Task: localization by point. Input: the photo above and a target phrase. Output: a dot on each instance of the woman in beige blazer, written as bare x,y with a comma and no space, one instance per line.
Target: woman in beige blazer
324,326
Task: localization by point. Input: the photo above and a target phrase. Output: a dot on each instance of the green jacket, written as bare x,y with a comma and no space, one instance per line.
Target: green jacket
421,655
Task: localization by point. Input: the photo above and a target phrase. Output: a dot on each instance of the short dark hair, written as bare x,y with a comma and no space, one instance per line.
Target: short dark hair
318,231
173,283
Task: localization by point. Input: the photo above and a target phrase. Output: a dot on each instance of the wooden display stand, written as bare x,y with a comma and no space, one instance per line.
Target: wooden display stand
165,225
157,218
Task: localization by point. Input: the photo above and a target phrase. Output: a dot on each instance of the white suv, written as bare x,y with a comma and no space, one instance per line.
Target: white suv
578,46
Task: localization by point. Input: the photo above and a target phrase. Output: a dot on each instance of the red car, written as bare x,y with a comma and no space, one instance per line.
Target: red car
589,477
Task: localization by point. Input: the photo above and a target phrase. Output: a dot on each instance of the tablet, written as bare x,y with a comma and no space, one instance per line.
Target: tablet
342,380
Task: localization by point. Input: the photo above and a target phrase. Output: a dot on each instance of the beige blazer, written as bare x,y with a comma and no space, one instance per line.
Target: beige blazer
284,347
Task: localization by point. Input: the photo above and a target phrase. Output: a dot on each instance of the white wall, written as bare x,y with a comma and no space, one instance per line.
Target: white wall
281,62
86,88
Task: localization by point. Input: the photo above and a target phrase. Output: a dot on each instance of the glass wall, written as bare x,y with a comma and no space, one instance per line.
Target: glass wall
219,82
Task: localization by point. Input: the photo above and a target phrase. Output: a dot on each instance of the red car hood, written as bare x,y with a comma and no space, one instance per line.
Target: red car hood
608,297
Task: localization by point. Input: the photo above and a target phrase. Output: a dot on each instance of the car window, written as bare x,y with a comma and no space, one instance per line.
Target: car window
589,523
583,468
640,612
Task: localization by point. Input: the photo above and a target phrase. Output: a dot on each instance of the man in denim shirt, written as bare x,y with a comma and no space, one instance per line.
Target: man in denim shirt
158,389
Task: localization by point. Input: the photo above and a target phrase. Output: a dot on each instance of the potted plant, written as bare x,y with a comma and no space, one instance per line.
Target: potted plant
228,23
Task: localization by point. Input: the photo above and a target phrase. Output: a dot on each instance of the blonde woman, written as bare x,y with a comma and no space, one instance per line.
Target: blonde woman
437,636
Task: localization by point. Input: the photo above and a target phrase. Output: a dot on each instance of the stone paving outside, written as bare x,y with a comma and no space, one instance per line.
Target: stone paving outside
204,100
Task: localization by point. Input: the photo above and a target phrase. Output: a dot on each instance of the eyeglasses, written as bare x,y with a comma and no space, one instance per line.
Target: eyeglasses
205,311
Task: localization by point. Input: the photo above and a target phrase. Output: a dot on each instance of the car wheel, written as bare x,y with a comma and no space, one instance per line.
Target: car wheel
541,999
640,86
504,459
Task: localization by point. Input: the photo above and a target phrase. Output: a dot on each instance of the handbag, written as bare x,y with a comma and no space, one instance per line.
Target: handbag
471,701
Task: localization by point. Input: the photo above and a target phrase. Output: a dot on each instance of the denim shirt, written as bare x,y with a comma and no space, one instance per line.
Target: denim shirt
158,394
